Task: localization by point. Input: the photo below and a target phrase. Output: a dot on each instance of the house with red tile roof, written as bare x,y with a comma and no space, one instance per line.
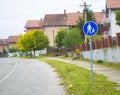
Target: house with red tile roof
3,45
33,25
12,40
53,22
109,20
7,44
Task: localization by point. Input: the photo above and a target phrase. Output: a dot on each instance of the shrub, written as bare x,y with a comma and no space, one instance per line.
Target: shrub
99,61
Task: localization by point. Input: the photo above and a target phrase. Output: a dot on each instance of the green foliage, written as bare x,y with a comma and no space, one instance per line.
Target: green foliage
90,15
81,21
60,37
77,51
99,61
27,41
15,55
80,26
72,38
98,37
77,82
32,40
20,43
99,29
11,50
40,41
118,17
4,51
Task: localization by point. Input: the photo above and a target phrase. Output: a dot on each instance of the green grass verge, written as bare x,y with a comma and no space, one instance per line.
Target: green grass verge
77,81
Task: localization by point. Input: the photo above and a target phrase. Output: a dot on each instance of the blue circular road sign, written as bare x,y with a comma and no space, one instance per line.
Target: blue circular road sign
90,28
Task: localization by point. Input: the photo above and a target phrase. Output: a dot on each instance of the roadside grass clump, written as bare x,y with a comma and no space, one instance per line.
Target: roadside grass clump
77,80
99,61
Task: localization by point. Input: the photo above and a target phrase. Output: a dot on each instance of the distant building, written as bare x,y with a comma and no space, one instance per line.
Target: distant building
33,25
12,40
53,22
109,19
4,46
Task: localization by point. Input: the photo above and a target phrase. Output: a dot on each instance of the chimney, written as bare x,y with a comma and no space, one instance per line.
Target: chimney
103,11
64,11
41,19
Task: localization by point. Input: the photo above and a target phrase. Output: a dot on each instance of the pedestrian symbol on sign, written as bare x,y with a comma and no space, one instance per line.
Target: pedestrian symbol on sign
90,28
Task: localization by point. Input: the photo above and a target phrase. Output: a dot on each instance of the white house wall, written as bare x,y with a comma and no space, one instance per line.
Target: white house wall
114,28
106,54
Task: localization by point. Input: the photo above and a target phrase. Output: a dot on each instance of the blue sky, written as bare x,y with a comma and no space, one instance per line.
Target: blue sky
15,13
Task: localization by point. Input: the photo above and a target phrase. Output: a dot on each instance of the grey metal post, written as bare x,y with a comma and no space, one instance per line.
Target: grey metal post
91,64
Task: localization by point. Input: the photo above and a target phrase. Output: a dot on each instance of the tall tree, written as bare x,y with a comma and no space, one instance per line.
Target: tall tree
28,41
32,41
59,38
19,43
117,17
72,38
40,41
81,21
80,26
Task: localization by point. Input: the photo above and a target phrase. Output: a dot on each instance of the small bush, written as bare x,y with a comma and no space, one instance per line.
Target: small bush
99,61
15,55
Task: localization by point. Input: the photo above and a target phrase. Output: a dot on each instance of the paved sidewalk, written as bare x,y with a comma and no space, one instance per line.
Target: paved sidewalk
111,74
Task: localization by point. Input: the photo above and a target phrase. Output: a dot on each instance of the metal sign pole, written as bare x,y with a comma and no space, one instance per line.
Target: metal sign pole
91,64
90,28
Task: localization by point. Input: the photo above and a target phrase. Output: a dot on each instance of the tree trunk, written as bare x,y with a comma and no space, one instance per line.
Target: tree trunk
59,51
31,53
34,52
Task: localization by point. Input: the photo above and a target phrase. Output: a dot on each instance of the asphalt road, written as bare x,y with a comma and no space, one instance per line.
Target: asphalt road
28,77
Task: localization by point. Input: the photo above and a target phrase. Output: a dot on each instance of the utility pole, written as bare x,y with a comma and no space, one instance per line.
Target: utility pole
85,15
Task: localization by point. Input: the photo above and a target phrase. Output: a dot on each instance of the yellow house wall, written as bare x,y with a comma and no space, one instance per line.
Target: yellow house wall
12,45
2,48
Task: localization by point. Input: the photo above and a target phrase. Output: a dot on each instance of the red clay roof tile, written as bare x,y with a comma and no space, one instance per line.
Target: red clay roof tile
33,23
69,19
99,17
72,18
12,39
55,20
113,4
3,42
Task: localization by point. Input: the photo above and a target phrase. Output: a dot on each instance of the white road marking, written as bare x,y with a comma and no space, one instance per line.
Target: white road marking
10,73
